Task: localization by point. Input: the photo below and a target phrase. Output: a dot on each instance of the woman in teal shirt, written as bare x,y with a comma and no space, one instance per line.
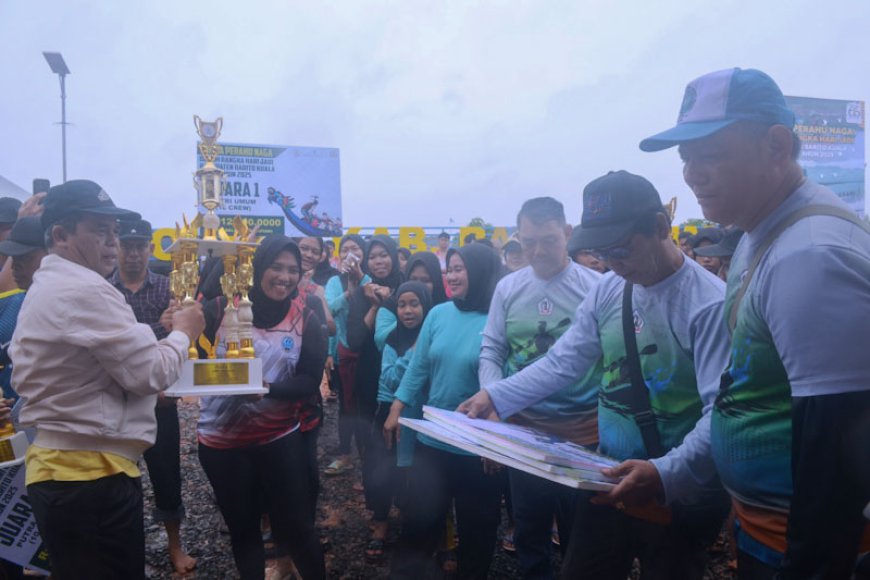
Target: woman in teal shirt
442,373
339,289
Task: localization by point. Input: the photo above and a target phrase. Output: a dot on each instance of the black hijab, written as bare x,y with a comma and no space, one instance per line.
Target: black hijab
433,267
359,241
323,271
483,266
394,278
403,338
210,279
267,312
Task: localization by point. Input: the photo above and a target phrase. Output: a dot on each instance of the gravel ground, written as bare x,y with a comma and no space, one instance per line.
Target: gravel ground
342,518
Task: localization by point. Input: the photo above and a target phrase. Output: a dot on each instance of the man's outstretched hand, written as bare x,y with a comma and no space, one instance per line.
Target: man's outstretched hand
479,407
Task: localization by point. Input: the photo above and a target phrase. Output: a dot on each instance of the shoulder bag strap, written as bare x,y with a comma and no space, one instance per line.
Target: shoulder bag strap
791,219
639,398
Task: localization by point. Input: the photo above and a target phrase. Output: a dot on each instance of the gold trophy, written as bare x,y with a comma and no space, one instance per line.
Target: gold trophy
209,180
239,372
246,316
231,315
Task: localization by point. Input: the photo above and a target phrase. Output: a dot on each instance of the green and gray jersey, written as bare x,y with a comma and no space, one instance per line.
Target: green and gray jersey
527,316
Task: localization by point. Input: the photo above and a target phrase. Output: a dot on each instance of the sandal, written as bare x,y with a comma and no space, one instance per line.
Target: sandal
449,562
337,467
507,543
375,550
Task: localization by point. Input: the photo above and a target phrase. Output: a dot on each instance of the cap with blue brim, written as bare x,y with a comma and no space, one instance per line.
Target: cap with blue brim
720,99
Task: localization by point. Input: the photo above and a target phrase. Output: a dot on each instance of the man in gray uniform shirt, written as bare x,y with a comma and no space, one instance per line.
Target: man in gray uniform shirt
531,308
683,346
791,425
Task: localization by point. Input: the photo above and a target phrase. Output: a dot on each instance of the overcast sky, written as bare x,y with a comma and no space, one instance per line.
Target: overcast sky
440,109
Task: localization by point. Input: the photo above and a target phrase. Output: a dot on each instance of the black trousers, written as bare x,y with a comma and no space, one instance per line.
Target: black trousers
164,465
380,474
831,474
535,502
279,470
437,478
605,541
92,529
309,439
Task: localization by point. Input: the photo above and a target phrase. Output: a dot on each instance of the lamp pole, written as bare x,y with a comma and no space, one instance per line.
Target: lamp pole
58,66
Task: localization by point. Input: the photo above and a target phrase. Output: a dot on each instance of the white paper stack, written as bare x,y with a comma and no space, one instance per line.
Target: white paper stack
523,448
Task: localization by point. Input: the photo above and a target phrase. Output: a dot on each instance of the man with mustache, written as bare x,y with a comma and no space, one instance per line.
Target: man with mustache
791,423
147,293
89,374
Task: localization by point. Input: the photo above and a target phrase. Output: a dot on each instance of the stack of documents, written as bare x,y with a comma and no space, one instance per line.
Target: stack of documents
518,447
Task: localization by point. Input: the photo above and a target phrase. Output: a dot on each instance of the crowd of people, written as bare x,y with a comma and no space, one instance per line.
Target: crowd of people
725,371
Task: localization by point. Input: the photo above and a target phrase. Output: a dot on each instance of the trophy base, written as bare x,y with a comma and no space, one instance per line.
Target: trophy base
235,376
13,449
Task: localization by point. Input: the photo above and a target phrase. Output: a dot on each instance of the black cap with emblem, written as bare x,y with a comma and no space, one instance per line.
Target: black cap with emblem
135,230
612,206
80,196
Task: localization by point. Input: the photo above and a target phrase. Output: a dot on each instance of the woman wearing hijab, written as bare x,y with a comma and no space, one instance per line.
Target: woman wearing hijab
339,290
311,410
251,448
412,304
381,263
442,371
423,267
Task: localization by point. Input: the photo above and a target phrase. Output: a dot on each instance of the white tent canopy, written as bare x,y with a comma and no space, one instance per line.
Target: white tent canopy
9,189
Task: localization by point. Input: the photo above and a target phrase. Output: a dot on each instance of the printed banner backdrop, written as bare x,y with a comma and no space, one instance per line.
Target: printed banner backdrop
290,190
20,541
832,145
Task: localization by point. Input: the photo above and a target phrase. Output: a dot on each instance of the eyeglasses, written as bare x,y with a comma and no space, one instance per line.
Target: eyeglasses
620,252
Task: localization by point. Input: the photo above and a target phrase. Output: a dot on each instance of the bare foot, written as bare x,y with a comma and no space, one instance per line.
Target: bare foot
333,518
183,562
281,569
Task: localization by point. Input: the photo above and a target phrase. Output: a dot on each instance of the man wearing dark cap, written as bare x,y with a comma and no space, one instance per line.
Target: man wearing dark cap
26,246
707,237
584,256
685,239
9,207
721,252
147,293
667,309
514,258
792,421
89,375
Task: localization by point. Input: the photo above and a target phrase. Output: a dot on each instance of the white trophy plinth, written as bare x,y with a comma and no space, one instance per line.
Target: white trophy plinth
208,377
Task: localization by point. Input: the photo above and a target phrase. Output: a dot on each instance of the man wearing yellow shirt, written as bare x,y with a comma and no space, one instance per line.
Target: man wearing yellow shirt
89,375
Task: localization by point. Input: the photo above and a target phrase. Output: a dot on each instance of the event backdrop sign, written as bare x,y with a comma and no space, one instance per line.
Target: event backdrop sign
20,541
290,190
832,145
